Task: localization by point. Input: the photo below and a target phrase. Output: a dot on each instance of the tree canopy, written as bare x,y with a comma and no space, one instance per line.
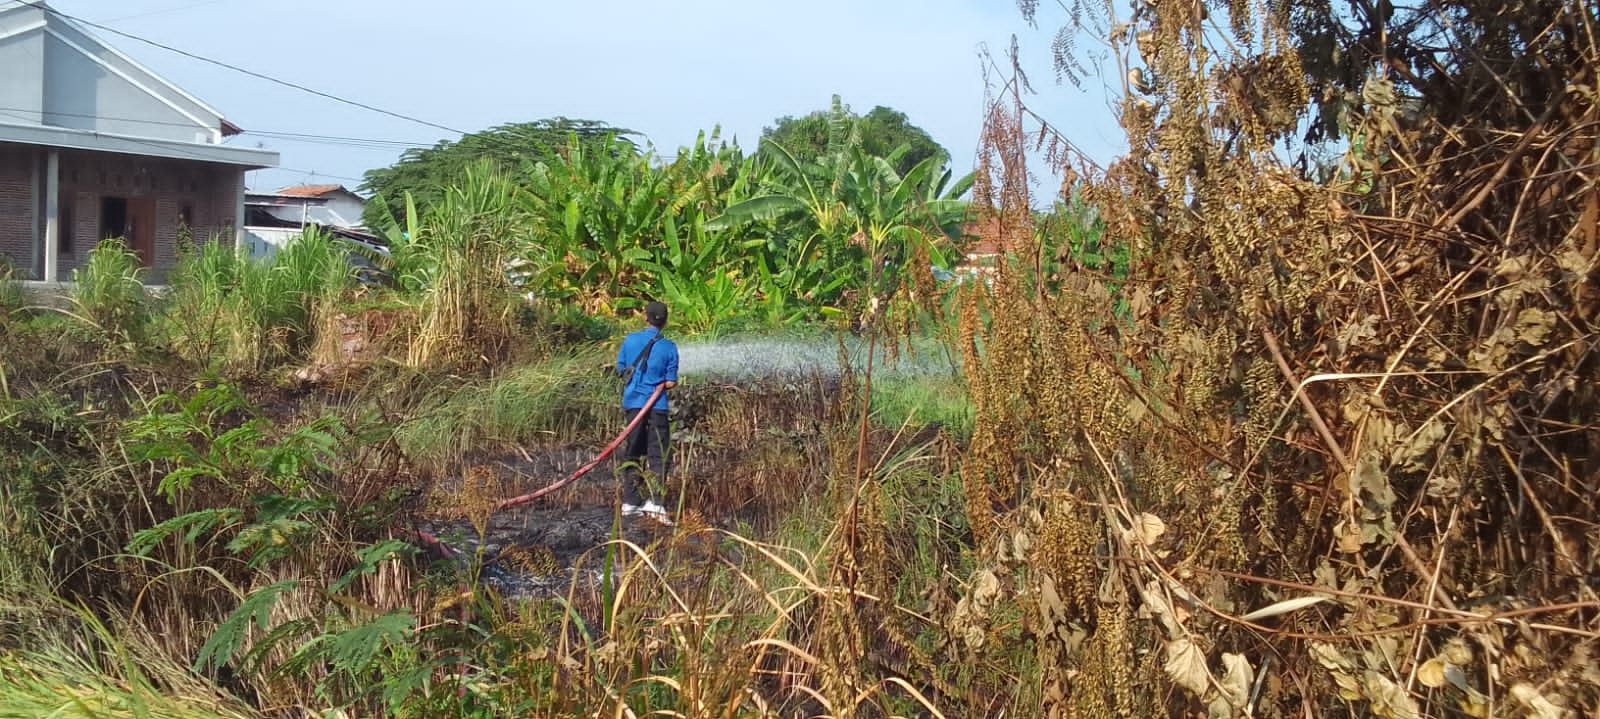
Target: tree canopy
879,132
426,172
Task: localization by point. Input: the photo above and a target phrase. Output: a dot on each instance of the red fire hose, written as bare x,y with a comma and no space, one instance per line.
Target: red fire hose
615,443
449,552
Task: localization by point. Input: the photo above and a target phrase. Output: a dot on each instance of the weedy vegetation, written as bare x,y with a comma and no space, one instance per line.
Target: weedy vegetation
1289,411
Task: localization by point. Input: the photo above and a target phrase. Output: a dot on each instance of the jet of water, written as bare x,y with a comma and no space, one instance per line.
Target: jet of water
754,357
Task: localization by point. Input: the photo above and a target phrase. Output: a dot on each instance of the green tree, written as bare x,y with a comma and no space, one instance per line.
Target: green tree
879,133
850,223
427,172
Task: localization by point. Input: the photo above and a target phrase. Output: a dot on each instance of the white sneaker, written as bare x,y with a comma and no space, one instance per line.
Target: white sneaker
656,512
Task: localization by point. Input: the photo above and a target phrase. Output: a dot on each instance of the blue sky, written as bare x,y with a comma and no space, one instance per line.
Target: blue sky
665,69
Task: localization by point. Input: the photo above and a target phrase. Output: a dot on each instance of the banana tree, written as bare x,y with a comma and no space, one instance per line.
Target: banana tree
809,224
597,210
850,216
909,223
702,273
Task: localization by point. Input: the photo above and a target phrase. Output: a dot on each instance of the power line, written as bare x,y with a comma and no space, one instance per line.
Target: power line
310,173
337,140
36,4
17,112
171,152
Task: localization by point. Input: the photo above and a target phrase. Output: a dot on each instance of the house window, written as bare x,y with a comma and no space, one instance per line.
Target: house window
64,226
113,217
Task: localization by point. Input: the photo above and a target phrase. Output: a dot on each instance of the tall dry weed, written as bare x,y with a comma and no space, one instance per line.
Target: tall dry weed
1334,457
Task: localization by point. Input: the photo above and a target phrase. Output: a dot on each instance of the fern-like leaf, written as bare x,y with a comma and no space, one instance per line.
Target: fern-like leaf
370,558
356,650
230,634
281,634
192,525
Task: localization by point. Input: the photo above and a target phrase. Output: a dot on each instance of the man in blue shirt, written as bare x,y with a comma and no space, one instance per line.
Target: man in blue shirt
653,360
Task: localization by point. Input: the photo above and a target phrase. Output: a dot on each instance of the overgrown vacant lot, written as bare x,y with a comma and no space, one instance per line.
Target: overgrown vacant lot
279,512
1291,411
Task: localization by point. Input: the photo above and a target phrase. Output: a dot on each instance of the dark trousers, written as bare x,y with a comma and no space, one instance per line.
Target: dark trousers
648,441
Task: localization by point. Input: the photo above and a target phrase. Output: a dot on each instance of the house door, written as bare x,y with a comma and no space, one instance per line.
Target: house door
142,228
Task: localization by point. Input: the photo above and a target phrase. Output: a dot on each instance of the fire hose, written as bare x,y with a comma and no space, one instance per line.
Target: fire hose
448,552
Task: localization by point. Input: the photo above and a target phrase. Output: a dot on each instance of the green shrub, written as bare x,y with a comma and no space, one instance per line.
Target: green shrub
109,293
558,398
250,314
10,289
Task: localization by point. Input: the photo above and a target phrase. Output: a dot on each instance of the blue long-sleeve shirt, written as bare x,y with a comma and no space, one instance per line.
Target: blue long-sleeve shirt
660,366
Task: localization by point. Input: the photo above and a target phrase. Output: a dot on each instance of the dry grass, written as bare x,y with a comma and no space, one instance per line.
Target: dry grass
1336,459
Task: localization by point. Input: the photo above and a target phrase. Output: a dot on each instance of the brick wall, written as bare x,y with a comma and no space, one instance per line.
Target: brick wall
17,201
207,190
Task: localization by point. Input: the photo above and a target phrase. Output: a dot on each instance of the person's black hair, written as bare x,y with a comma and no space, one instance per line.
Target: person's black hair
656,314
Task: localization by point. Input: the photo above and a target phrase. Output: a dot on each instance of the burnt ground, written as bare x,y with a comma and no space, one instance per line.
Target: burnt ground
742,456
537,549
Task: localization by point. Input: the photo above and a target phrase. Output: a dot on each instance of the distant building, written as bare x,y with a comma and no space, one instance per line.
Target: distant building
93,145
272,219
330,205
983,247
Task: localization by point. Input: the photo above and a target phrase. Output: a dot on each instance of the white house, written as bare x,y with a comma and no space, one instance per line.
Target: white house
93,145
274,218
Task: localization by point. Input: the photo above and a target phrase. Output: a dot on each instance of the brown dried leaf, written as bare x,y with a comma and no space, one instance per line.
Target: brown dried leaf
1186,666
974,637
1538,706
1409,449
1155,604
1141,302
1325,575
1349,537
1147,528
1573,261
1431,673
1236,679
1050,604
1377,522
985,587
1355,334
1021,544
1389,700
1474,705
1512,268
1456,651
1534,325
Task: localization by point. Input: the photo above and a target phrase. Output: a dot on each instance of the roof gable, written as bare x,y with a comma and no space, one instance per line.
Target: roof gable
59,74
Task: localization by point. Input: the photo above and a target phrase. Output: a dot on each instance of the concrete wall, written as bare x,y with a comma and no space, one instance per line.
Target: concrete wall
21,83
53,74
262,243
88,88
347,209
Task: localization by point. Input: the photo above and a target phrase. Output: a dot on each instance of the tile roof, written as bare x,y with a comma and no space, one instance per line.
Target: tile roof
987,237
309,190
